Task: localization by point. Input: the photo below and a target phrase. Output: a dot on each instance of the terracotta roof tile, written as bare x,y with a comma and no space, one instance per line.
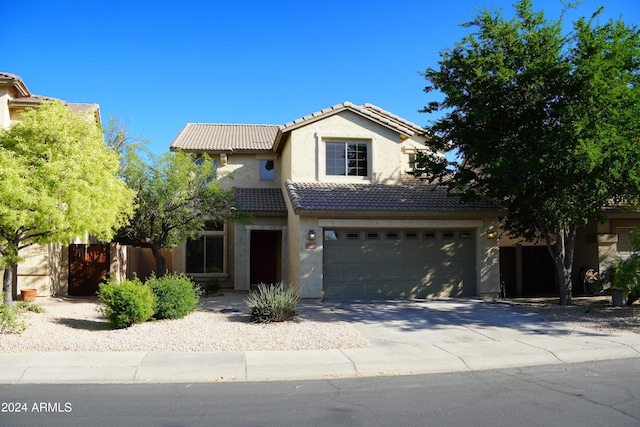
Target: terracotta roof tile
378,198
260,200
212,137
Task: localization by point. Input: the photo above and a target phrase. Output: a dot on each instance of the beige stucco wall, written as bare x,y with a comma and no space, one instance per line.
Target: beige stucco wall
5,117
305,151
243,170
45,268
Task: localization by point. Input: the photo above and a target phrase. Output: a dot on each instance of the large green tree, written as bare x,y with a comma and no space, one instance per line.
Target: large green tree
176,194
58,182
546,120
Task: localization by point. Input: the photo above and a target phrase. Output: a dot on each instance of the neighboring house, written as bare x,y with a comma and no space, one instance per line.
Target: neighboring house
527,269
53,269
335,212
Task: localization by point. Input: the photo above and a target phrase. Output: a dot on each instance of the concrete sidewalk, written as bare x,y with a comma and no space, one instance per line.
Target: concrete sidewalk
411,337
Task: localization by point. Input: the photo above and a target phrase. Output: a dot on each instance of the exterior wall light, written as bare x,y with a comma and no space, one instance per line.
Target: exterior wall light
311,239
491,234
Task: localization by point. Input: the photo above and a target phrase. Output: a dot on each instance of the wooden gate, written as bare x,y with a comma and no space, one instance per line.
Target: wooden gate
88,267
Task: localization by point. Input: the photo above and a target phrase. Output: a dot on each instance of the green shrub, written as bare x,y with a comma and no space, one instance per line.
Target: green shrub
11,317
623,274
29,306
272,303
176,296
10,320
127,302
213,285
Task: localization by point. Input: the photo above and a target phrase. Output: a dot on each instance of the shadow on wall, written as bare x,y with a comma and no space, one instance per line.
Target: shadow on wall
140,262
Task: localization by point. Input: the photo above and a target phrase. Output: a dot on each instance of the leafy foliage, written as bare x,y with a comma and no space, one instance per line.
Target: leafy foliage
272,303
127,302
548,123
624,274
58,181
176,295
175,195
29,306
10,319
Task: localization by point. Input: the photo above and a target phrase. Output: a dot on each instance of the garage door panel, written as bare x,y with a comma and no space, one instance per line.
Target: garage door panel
430,263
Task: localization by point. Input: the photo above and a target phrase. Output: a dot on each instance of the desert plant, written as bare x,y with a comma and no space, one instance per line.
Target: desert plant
213,285
623,274
272,303
176,295
10,319
29,306
127,302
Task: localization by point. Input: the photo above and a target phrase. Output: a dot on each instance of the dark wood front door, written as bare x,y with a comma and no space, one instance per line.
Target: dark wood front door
265,256
88,267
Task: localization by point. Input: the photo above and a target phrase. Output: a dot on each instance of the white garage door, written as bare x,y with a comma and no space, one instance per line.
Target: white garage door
399,263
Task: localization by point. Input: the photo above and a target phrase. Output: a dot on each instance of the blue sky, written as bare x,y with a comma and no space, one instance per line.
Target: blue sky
158,65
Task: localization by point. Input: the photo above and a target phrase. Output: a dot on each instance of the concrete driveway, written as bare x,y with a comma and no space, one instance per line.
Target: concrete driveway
419,322
470,334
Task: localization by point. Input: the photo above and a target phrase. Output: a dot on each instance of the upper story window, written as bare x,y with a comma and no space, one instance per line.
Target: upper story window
347,158
412,161
267,170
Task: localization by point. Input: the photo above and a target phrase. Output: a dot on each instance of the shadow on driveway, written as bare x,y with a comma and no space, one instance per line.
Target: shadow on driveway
493,320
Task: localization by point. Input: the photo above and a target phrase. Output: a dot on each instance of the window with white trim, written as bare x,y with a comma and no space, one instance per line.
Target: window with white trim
206,253
347,158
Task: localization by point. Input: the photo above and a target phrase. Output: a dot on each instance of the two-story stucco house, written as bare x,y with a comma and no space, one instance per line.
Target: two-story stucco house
335,213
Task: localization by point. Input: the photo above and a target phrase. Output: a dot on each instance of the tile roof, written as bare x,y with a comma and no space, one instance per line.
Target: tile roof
260,200
378,198
216,137
212,137
373,113
15,81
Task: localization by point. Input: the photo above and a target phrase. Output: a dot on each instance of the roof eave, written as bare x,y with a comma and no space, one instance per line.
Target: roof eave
17,83
425,214
337,109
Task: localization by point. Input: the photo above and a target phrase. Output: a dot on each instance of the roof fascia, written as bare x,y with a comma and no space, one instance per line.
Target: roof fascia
18,84
337,109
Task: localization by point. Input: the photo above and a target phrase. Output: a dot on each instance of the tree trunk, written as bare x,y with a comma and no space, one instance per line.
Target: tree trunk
161,263
7,284
562,253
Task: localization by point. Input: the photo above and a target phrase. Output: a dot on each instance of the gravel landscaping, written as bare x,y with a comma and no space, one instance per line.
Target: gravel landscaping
590,312
222,324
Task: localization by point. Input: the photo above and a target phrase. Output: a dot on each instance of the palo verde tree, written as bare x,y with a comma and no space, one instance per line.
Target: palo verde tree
547,121
58,182
176,194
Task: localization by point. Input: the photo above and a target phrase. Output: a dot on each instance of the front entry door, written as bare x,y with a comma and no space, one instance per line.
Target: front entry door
265,256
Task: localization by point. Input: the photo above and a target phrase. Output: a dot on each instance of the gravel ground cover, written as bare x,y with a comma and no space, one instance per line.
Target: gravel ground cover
222,324
590,312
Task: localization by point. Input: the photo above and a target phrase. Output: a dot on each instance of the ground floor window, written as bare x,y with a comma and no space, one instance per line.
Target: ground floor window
206,254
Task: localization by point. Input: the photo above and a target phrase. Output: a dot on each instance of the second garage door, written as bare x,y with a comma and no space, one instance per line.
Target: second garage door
399,263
